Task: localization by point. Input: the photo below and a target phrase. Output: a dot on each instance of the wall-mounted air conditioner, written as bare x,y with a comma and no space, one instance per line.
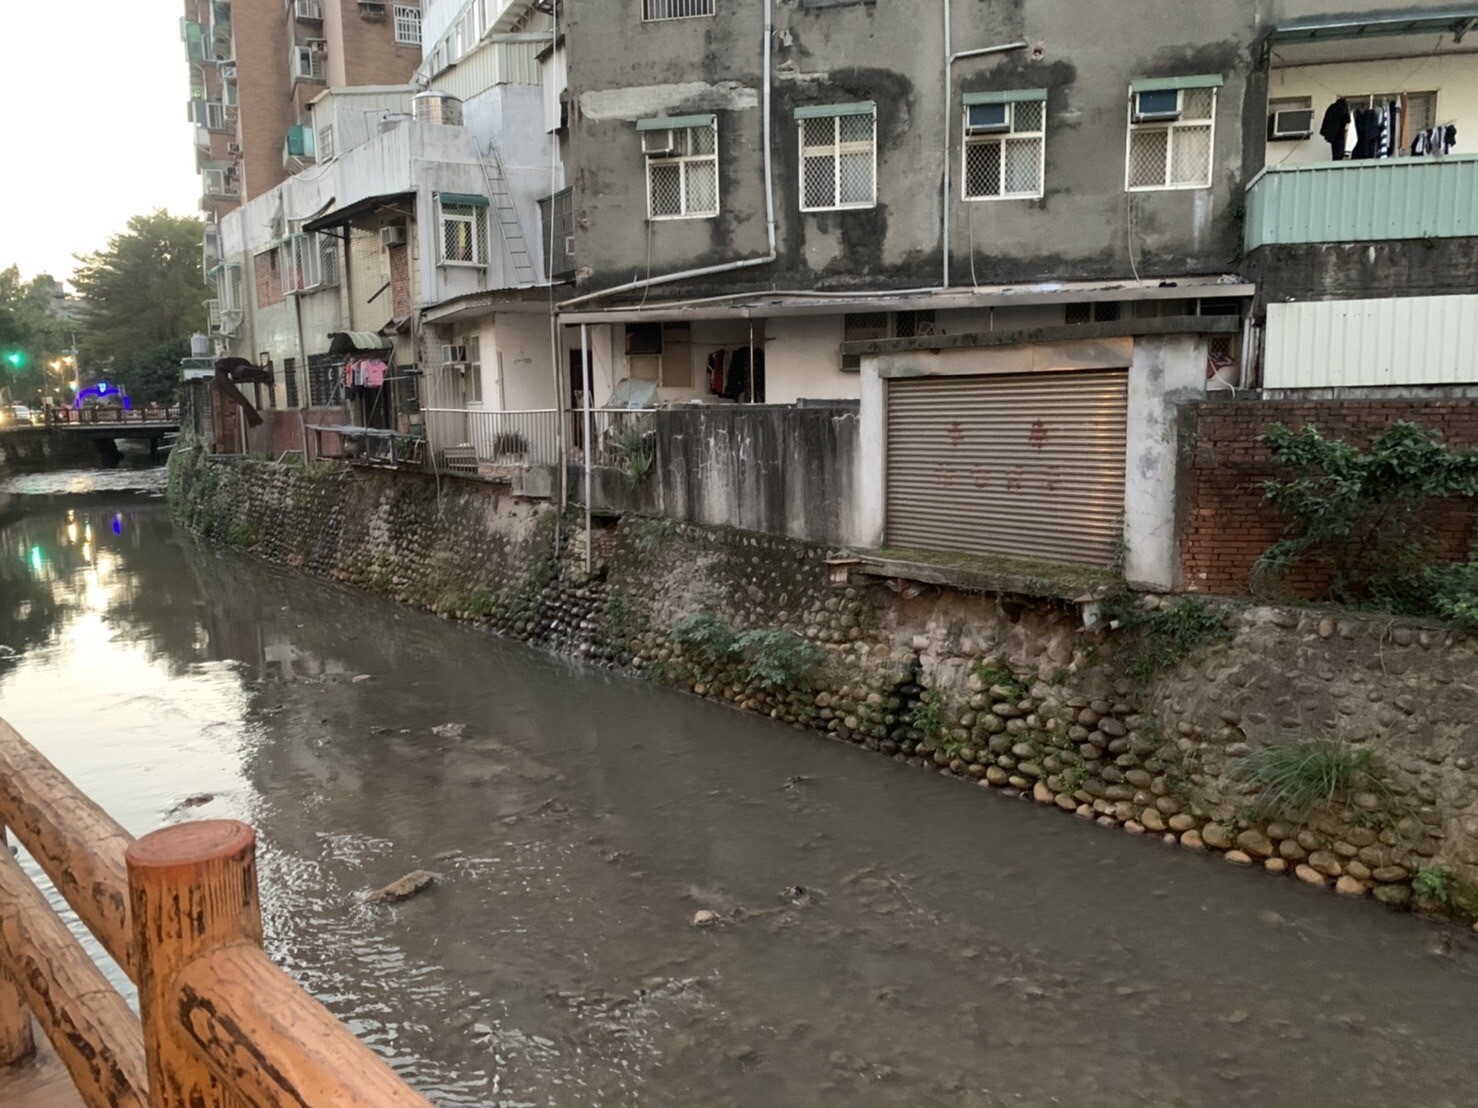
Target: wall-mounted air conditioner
394,235
1157,106
987,119
228,72
233,149
453,354
1291,123
659,144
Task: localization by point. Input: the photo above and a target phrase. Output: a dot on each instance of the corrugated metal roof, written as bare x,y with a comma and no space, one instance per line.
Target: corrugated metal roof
1413,340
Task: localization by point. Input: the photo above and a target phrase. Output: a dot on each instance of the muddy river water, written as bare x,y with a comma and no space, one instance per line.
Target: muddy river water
894,938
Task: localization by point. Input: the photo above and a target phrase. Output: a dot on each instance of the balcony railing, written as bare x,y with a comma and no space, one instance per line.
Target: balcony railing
466,438
1364,201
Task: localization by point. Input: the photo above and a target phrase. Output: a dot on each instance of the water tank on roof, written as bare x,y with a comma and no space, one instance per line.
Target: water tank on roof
199,345
437,107
392,120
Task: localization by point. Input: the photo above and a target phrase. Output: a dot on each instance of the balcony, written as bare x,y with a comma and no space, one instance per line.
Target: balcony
1364,201
221,184
308,63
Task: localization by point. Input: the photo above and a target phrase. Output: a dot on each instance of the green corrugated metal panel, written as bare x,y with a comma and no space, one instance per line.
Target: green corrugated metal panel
300,141
1161,84
194,40
820,111
1367,201
1013,96
665,122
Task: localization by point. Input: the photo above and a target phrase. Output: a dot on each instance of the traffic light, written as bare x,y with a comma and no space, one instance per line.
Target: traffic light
15,359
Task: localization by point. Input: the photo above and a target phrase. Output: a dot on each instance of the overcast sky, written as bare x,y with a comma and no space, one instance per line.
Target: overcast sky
93,127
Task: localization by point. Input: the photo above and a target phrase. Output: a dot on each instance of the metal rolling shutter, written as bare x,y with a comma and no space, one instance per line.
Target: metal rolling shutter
1022,466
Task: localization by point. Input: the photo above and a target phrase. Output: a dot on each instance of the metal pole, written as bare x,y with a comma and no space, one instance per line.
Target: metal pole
589,377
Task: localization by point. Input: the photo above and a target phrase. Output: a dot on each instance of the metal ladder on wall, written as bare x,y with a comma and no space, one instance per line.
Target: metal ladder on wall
501,199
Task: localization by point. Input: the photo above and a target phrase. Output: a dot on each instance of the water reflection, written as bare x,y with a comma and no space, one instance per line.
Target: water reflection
949,948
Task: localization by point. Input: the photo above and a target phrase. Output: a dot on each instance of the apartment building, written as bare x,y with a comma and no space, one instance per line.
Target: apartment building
255,66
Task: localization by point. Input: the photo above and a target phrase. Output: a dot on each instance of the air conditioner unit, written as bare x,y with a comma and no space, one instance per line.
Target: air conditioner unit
987,119
1291,123
228,72
1158,106
233,149
453,355
659,144
394,235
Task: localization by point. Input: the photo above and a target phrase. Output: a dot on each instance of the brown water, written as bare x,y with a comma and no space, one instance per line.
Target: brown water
953,948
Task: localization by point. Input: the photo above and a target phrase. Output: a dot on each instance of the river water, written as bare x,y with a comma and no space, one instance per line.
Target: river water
951,947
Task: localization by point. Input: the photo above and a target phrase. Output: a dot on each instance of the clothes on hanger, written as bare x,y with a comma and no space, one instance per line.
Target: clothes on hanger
1435,142
1334,127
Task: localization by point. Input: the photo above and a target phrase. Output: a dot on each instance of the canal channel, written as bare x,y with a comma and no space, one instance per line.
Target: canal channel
885,937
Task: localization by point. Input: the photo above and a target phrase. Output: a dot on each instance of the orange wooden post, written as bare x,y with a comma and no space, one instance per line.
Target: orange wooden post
17,1042
193,891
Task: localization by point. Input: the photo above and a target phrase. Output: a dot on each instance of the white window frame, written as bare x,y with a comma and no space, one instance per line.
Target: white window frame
407,25
230,288
473,345
682,162
1172,129
1000,139
299,264
835,150
476,215
317,63
323,142
661,11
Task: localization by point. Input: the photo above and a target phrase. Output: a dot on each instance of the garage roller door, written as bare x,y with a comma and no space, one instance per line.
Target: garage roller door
1022,466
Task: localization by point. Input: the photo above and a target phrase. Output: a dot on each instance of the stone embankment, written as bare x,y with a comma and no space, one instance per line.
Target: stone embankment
1195,747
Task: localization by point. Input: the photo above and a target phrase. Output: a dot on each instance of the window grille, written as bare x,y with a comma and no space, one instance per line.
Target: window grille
407,25
464,233
325,380
838,161
1008,165
1177,154
324,142
685,185
290,378
861,327
655,10
1418,110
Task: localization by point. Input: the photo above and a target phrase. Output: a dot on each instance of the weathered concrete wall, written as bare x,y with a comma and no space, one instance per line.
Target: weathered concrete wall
1357,271
779,470
1013,695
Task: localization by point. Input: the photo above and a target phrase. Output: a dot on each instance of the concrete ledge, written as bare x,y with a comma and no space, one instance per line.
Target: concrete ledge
1004,576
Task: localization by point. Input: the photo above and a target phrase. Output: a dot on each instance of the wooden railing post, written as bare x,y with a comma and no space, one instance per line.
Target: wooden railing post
17,1042
193,891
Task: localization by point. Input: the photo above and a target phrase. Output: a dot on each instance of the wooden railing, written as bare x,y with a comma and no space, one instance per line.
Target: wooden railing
220,1026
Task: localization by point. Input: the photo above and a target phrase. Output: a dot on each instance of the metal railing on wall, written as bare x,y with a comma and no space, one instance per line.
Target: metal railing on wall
464,438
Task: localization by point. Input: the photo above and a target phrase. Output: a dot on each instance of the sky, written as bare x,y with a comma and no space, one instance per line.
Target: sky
93,127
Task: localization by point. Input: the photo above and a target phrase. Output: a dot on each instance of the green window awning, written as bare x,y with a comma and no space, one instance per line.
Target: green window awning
823,111
674,122
1166,84
1010,96
462,198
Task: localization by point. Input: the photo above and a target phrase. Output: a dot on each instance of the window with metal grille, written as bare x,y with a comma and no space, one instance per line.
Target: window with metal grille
325,380
558,238
839,159
1172,152
1418,111
308,262
407,25
654,10
862,327
472,379
685,184
323,142
464,233
1006,165
290,378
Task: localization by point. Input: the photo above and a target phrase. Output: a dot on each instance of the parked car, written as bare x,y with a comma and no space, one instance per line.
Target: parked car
18,415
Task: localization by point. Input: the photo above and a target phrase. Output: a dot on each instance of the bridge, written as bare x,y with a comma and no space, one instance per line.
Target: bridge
103,427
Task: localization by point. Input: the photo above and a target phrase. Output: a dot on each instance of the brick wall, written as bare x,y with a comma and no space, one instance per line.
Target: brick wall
268,279
1227,526
400,280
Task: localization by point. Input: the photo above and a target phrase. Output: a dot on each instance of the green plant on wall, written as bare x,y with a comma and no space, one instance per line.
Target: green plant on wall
1434,885
777,659
1294,779
635,456
704,635
1358,515
1161,639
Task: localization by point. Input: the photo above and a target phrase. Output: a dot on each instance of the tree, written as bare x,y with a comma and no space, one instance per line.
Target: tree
30,335
144,290
155,374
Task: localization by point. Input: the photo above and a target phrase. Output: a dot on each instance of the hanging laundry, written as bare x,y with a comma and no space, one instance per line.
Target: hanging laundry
736,376
374,372
1336,123
716,365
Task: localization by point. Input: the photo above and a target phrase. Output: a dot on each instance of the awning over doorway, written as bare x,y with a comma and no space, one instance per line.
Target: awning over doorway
358,342
350,212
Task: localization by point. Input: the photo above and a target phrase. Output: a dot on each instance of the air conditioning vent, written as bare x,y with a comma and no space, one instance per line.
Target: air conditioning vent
987,119
453,355
659,144
372,9
394,235
228,72
1291,123
1158,106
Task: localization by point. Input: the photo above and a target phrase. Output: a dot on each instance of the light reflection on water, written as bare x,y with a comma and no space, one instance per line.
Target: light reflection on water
956,948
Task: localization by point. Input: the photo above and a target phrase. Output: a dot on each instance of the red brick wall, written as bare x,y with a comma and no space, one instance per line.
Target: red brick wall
268,280
1227,526
400,280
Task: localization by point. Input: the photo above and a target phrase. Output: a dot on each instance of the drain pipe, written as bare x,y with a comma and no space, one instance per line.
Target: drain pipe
724,267
950,58
589,379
